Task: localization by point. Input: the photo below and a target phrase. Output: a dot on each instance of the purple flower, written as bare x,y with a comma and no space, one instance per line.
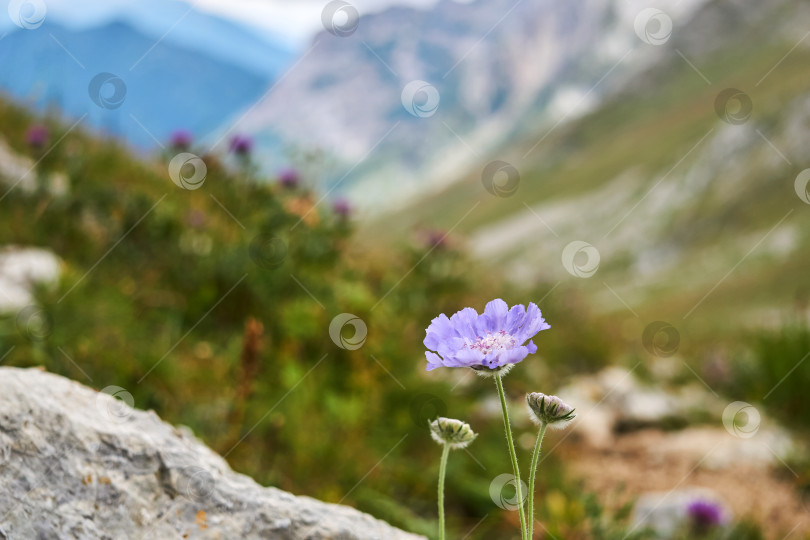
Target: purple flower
342,208
705,515
434,238
196,219
494,339
241,145
37,136
288,178
181,139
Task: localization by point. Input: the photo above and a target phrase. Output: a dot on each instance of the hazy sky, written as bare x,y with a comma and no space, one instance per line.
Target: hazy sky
295,19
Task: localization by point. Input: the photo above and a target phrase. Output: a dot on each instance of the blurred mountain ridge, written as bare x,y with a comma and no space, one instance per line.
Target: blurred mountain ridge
178,23
495,70
681,186
181,68
164,87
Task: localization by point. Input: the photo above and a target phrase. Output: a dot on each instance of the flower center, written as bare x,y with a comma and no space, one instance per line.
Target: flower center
499,341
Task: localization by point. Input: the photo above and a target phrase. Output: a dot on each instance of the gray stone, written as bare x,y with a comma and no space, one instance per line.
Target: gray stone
615,400
76,463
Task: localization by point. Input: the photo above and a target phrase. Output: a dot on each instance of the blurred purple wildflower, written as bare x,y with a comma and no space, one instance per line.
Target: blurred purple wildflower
196,219
181,139
288,178
37,136
705,515
342,208
241,145
494,339
436,238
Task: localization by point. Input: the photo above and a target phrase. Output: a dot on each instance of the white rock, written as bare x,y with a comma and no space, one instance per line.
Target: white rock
81,464
20,270
718,449
613,398
15,170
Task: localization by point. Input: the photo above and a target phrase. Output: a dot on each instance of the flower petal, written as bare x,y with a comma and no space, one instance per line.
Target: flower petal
450,347
496,312
534,323
515,318
439,329
511,356
468,358
464,323
433,360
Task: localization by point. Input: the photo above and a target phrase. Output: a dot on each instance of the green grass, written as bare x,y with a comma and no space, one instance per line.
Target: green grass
776,372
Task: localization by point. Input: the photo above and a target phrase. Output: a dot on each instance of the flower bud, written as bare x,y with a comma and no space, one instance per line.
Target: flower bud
549,410
455,433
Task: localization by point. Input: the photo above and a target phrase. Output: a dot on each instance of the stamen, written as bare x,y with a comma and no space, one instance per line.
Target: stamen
500,341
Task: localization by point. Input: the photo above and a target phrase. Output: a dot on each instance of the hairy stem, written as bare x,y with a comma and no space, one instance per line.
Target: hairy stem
442,472
513,455
532,474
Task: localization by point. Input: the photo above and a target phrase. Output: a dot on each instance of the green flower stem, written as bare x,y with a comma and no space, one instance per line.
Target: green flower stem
532,474
442,472
513,455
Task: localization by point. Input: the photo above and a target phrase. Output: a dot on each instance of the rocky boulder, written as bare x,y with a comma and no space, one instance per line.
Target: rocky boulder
77,463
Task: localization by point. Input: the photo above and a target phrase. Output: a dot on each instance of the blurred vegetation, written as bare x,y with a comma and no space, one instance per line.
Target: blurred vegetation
775,372
212,306
644,131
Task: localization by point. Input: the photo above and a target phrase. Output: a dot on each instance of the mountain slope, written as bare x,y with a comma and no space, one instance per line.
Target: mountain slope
346,93
494,67
687,194
166,86
177,23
